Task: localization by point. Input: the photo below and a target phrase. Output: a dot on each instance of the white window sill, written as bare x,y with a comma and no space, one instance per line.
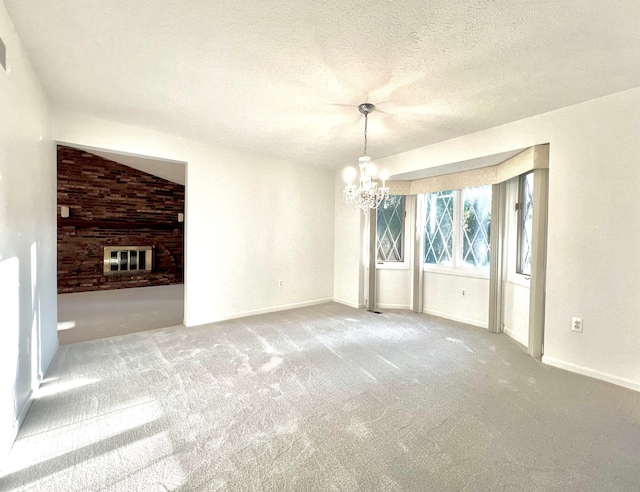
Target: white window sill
457,272
393,265
519,279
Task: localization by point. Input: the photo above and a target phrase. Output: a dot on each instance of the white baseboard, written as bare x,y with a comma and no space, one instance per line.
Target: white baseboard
520,339
24,410
585,371
273,309
393,306
461,319
347,303
7,439
10,436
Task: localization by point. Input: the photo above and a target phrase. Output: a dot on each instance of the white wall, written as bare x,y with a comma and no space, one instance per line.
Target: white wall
27,236
394,287
249,222
442,296
348,276
593,234
516,311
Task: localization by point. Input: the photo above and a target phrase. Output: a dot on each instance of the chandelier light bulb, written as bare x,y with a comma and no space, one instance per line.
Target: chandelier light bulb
349,174
384,175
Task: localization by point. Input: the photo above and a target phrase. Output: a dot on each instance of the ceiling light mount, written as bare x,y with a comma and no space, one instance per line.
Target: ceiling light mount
366,196
366,108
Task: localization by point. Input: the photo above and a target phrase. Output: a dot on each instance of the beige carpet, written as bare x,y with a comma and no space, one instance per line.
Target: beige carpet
317,399
86,316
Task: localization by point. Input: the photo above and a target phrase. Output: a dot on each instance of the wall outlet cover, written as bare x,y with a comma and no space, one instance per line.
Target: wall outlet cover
576,324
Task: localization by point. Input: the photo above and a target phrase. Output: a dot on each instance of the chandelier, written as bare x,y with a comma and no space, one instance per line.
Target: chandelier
367,195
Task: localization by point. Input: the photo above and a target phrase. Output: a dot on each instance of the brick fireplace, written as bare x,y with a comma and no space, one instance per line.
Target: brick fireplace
113,207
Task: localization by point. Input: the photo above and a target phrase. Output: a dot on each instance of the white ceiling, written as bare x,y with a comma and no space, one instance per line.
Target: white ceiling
283,78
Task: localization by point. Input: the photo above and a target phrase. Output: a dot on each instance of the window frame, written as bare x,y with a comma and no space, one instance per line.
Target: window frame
521,223
454,221
463,265
457,266
406,247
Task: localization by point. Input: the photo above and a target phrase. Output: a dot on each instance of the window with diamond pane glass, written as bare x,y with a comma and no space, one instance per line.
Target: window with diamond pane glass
476,226
525,226
438,228
390,229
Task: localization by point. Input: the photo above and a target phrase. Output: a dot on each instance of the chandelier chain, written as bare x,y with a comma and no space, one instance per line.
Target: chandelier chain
365,133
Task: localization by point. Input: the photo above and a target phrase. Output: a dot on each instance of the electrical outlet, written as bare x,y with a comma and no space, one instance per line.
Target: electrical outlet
463,292
280,284
576,324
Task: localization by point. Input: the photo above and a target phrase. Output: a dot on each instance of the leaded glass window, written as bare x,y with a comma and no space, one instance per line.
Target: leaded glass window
438,228
390,228
525,223
476,226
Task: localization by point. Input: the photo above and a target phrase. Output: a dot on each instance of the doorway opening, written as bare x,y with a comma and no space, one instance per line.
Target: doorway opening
121,243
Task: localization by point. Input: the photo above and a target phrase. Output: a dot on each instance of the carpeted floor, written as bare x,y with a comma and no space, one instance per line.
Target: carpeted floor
322,398
84,316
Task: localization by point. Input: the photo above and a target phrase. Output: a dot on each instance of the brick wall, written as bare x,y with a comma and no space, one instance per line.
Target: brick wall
112,204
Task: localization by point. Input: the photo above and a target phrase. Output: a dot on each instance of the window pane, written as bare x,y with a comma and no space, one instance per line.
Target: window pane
476,226
133,260
389,229
525,226
438,228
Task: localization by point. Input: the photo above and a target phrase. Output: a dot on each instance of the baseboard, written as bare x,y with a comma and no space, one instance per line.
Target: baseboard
273,309
393,306
347,303
24,410
9,439
47,362
592,373
512,334
461,319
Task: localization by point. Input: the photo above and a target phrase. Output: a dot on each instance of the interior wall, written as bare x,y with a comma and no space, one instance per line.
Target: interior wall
27,237
393,288
111,204
443,296
250,221
592,242
348,277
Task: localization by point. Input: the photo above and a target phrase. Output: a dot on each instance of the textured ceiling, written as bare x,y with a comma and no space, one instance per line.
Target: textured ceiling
283,78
